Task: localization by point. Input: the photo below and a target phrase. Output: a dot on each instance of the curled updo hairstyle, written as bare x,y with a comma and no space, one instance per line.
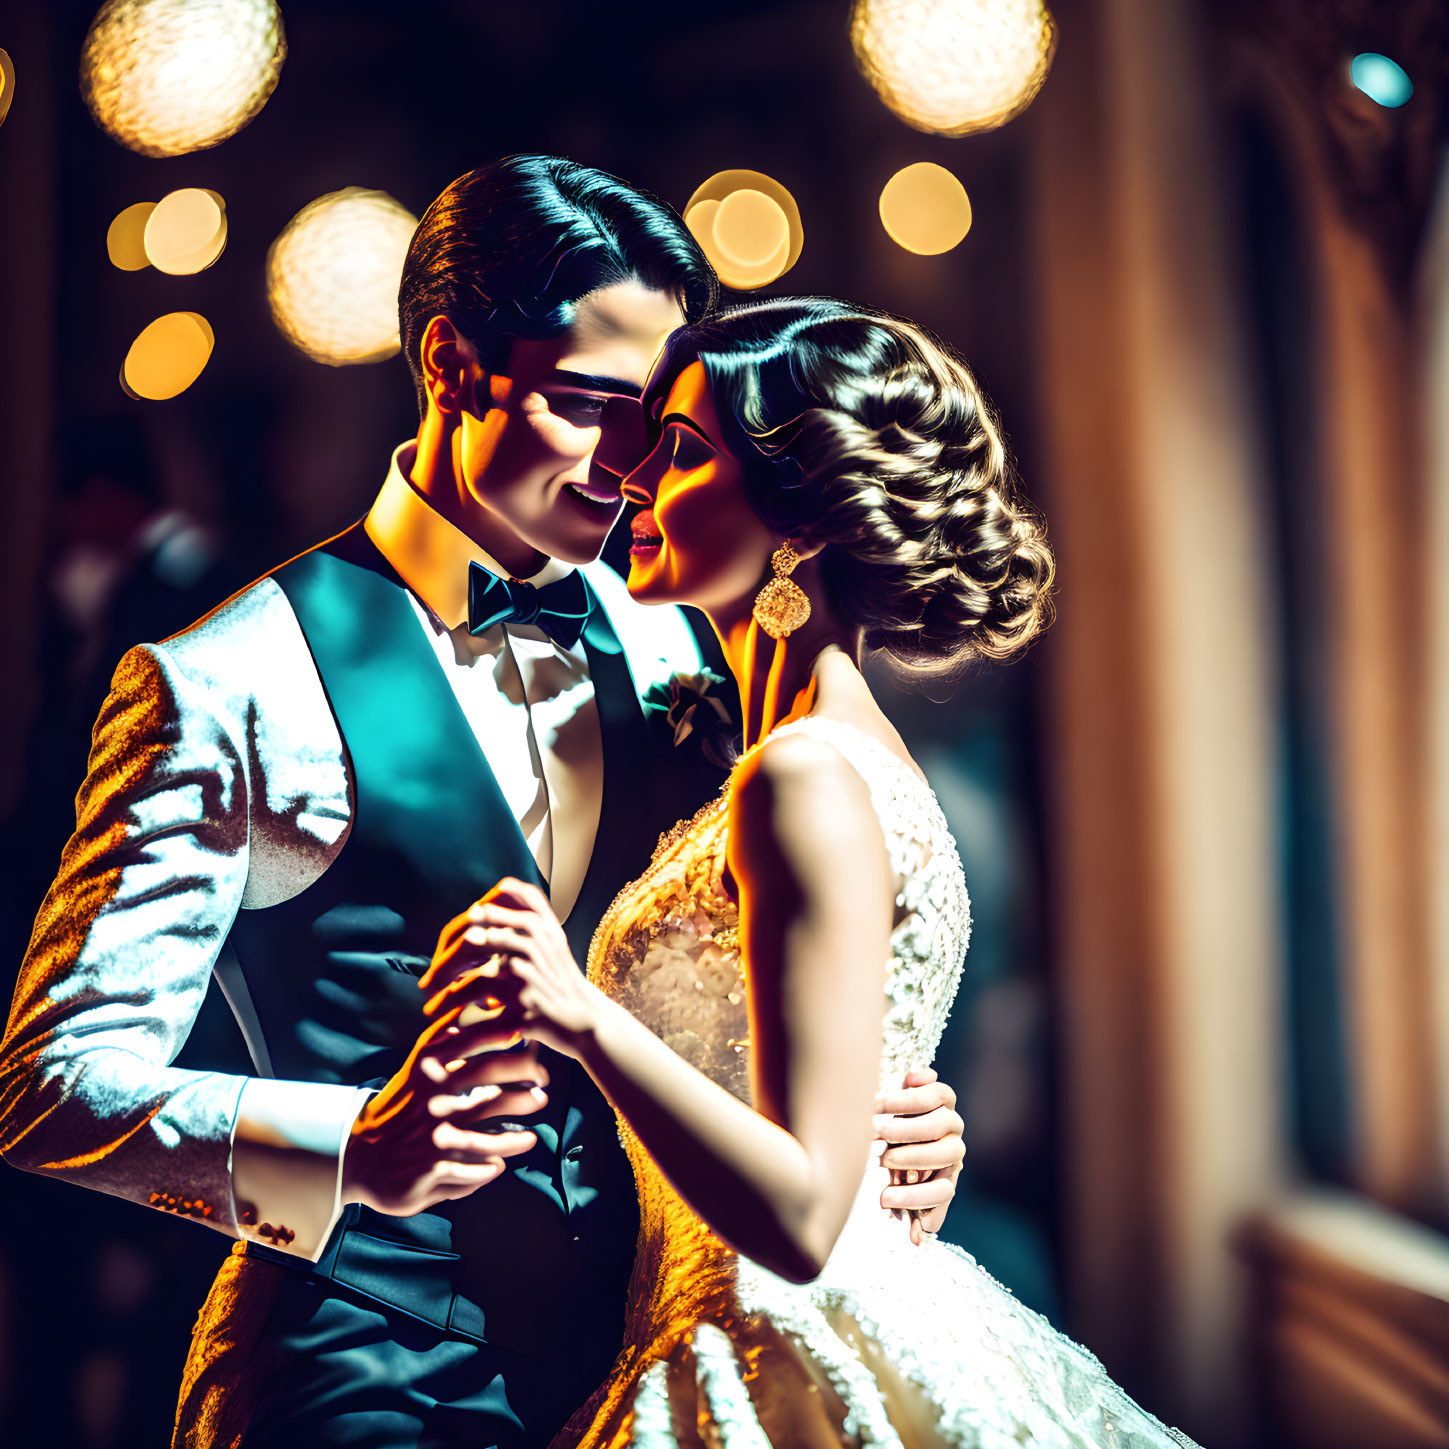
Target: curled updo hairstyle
862,432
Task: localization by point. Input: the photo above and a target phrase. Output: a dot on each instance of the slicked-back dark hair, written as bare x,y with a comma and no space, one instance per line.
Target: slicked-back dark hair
508,249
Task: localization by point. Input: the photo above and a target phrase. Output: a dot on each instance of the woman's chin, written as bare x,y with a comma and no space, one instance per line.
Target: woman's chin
647,582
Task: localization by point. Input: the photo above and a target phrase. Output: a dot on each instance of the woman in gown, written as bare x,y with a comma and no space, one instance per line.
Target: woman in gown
798,943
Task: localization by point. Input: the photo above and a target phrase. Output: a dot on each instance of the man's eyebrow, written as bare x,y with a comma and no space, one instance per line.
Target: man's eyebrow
689,423
598,384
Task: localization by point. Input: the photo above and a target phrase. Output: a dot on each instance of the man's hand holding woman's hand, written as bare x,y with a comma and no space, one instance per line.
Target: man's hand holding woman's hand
505,965
416,1143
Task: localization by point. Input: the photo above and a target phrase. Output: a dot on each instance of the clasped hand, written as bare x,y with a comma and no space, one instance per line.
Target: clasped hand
506,960
418,1142
424,1138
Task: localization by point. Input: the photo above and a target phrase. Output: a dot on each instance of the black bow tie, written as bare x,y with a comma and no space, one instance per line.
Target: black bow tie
560,609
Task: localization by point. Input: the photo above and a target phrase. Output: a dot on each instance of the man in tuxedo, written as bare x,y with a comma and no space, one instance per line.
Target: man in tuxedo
300,790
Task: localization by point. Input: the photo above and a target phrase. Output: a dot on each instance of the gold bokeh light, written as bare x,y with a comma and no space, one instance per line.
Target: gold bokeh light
7,83
126,237
168,356
954,67
333,273
165,77
186,232
925,209
750,228
748,225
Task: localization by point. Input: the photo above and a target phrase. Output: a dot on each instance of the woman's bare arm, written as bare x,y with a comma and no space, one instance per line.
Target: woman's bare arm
815,918
816,898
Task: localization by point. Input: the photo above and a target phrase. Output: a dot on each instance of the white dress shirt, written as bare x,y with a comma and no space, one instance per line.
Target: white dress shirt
529,702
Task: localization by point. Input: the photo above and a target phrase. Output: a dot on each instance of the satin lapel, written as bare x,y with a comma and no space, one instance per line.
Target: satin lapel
628,827
428,793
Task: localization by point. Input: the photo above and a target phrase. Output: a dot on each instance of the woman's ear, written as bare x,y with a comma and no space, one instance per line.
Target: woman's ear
806,547
449,366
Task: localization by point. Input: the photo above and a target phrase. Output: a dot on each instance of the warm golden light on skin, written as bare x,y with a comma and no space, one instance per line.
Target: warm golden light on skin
165,77
168,356
762,235
713,549
925,209
186,232
333,273
126,237
954,67
7,83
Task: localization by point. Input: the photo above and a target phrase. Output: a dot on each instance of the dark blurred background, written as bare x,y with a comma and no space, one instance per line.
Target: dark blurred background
1202,1047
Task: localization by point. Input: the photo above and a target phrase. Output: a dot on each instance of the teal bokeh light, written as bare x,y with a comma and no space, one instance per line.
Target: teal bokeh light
1381,79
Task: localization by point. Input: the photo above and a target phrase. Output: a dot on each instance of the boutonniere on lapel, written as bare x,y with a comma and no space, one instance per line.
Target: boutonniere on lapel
694,707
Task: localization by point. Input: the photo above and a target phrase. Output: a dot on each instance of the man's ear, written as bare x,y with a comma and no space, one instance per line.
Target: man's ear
449,365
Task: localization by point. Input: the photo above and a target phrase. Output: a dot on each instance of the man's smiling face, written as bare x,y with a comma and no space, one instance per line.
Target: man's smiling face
526,448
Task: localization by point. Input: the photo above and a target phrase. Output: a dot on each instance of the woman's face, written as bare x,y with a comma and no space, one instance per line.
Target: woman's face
697,540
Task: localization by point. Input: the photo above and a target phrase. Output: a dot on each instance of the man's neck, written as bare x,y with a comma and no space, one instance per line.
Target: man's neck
437,474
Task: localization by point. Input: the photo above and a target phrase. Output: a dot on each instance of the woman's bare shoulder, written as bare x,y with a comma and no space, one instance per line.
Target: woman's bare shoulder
798,801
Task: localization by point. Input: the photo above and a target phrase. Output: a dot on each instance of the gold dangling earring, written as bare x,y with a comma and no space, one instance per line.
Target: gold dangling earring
782,606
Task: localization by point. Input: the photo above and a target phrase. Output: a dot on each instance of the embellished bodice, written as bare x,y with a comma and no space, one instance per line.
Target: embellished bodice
891,1345
668,951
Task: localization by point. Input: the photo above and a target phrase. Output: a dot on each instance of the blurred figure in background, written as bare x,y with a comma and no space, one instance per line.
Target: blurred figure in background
123,561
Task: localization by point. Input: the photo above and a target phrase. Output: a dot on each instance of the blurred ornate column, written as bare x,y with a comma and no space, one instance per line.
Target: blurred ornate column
1162,729
27,283
1372,484
1364,180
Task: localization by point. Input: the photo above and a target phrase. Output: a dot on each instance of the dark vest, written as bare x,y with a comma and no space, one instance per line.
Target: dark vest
538,1260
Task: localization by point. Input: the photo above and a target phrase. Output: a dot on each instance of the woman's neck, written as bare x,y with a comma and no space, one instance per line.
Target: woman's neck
776,677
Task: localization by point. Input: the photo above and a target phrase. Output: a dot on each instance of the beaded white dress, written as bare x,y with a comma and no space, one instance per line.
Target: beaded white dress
893,1345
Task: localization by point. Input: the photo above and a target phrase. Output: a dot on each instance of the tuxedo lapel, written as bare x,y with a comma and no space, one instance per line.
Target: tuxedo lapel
621,731
422,782
424,789
646,788
334,969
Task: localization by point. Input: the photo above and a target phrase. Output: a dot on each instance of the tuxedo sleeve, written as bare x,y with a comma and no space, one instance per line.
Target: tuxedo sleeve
116,970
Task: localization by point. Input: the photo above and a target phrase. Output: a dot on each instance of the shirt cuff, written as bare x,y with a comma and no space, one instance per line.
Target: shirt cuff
286,1161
